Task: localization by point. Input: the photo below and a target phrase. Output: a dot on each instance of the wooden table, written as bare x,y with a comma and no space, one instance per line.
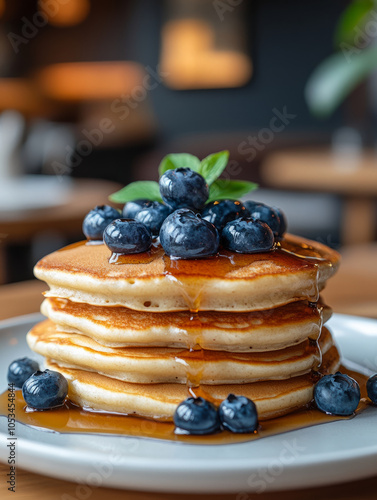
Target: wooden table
353,290
66,219
358,274
322,171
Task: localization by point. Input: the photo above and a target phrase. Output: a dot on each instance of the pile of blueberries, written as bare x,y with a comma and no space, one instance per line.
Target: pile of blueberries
188,228
336,394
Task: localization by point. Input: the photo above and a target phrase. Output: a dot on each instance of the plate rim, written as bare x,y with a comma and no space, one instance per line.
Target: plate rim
135,464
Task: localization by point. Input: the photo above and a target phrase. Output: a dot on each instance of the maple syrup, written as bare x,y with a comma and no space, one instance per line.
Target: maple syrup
218,266
72,419
287,254
191,325
189,275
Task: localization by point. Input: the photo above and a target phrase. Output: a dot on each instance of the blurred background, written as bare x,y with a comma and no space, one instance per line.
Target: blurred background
93,94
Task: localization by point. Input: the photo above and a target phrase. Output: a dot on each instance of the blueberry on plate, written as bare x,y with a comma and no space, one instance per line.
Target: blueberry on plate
372,389
127,236
221,212
186,235
266,214
183,188
131,208
246,235
97,220
283,221
153,215
238,414
45,390
196,416
337,394
20,370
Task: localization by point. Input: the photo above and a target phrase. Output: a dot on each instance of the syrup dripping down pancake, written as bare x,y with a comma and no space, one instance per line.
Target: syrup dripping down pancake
224,331
272,398
163,365
296,270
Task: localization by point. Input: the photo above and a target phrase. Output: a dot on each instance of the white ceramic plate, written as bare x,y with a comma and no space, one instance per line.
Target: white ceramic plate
330,453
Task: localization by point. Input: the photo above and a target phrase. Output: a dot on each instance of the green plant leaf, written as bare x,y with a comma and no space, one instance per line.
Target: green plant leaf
140,189
336,77
213,166
179,160
223,189
351,20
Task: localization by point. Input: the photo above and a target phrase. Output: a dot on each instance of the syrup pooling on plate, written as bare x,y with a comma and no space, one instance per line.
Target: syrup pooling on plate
72,419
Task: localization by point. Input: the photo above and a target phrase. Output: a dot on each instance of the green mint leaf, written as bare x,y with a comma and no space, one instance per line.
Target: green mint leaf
140,189
213,166
223,189
179,160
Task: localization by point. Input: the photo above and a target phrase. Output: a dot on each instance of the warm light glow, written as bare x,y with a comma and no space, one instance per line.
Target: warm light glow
67,13
85,81
20,95
191,60
2,7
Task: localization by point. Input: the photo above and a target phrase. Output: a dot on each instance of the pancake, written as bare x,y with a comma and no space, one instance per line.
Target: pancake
225,331
125,329
296,270
272,398
164,365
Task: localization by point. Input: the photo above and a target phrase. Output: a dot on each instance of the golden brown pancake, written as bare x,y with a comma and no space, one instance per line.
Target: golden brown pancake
296,270
165,365
120,326
272,398
237,332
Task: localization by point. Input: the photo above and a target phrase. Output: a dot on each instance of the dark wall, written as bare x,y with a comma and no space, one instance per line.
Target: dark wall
287,40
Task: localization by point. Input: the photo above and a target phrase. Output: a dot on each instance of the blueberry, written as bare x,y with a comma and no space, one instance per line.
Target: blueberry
126,236
246,235
238,414
221,212
266,214
20,370
372,388
187,236
283,221
97,220
183,188
44,390
337,394
131,208
153,215
197,416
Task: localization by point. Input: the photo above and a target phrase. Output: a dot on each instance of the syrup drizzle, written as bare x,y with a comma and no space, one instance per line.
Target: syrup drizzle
183,272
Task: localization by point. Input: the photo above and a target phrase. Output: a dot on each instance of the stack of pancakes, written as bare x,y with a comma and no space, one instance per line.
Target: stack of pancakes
137,334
